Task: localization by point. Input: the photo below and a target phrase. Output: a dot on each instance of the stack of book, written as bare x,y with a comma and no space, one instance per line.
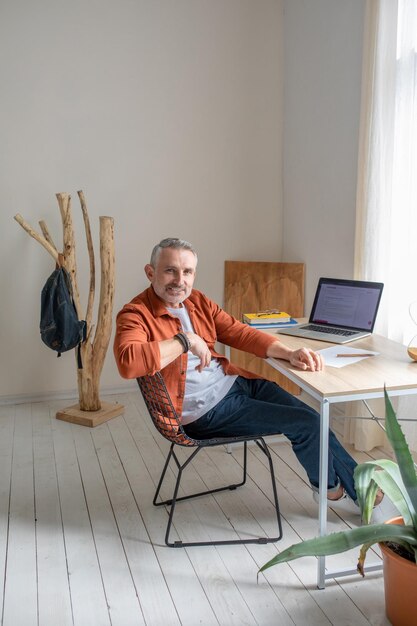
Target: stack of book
269,319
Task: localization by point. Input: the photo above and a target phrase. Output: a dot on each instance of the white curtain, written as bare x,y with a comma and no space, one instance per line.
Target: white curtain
386,227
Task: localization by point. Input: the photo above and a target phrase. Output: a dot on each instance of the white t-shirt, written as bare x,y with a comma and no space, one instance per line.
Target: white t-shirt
203,390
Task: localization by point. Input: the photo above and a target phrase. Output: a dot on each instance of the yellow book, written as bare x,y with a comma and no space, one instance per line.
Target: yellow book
266,317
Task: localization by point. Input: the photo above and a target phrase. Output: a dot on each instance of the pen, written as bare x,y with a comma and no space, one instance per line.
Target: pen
357,354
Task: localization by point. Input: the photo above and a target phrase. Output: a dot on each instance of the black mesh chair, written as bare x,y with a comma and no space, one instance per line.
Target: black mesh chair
168,423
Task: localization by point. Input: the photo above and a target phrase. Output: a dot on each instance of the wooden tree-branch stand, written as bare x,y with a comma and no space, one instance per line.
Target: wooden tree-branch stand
89,411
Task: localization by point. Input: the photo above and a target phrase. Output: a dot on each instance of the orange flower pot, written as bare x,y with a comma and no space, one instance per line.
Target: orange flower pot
400,582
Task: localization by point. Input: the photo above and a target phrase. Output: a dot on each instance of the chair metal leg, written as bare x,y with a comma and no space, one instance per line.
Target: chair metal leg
172,502
262,445
171,452
180,467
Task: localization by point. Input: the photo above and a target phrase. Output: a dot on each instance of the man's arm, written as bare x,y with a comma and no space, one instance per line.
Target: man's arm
169,350
136,356
241,336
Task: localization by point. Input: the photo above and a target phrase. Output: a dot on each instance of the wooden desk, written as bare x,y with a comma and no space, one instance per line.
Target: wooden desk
358,381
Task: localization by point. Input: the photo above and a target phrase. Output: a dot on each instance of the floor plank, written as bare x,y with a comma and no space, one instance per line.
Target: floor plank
21,548
7,419
54,600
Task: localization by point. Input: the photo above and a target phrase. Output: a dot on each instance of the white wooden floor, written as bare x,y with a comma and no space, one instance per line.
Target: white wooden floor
81,542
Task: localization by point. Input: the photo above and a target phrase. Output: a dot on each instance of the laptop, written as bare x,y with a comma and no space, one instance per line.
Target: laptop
343,311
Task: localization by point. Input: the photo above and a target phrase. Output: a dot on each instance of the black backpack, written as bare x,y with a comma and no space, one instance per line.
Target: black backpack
61,330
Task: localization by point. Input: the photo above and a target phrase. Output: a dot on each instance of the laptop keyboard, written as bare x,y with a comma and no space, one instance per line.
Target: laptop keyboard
330,331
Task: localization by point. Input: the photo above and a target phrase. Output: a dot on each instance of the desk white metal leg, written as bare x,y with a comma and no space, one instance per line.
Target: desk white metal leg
324,464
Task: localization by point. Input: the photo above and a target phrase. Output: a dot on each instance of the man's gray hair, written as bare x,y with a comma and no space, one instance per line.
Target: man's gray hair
171,242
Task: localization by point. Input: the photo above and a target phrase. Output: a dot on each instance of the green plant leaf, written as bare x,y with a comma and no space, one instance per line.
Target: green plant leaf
339,542
385,474
397,494
366,489
403,456
364,549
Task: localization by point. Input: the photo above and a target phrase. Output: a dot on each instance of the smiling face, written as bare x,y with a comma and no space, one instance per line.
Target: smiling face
173,276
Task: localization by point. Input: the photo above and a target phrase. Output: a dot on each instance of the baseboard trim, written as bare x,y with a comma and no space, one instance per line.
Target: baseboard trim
70,394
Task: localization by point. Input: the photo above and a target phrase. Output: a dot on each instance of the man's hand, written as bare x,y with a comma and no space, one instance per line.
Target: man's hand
306,359
200,349
303,358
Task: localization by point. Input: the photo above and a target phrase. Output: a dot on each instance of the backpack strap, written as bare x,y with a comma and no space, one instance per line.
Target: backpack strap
79,360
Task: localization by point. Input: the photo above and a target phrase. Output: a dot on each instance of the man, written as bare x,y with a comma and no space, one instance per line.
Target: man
172,328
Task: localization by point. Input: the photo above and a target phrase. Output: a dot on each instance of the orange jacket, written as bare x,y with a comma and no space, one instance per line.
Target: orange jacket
145,321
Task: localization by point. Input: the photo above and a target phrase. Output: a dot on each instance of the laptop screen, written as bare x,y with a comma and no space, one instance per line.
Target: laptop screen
346,303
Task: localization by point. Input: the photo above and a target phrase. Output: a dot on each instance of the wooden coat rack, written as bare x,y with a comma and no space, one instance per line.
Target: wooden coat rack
89,411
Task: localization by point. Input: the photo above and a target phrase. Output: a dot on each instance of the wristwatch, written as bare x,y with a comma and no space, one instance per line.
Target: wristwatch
184,341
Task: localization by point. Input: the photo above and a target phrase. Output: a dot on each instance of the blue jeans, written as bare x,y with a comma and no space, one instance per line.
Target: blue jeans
259,407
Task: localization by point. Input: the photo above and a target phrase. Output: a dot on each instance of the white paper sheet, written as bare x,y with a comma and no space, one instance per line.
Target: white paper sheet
332,360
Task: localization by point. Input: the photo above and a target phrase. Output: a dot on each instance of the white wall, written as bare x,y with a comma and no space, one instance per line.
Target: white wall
167,114
322,80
